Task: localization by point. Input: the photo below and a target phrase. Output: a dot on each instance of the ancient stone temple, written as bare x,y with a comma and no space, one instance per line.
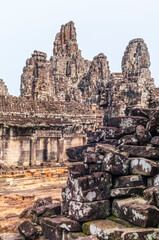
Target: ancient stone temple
104,125
64,98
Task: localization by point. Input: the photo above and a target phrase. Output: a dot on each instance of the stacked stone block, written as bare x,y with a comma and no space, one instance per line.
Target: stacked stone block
113,183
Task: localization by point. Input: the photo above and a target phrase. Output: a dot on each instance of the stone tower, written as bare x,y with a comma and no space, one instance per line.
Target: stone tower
36,80
3,88
134,87
67,64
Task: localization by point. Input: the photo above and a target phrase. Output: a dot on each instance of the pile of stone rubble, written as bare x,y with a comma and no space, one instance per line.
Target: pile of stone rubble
112,188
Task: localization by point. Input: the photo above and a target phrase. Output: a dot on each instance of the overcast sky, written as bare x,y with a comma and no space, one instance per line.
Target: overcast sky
102,26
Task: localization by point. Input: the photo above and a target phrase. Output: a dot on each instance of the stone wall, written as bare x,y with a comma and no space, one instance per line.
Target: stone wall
37,133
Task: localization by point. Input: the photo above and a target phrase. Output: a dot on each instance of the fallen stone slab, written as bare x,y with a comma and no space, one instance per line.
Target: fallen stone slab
104,229
101,134
152,195
11,236
142,112
26,213
128,181
93,168
42,201
45,211
154,121
114,162
127,140
103,149
125,122
136,211
127,191
27,230
142,151
143,166
90,187
143,135
155,141
55,228
89,211
153,181
76,235
139,234
78,168
75,154
92,237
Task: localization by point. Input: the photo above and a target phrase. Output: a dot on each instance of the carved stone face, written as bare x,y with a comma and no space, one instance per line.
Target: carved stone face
136,59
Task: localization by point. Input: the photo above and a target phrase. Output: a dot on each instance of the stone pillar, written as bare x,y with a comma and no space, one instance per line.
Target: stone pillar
60,150
32,151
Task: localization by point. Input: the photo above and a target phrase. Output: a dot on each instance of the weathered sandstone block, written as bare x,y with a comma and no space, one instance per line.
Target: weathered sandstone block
125,122
53,227
127,191
90,187
143,135
89,211
143,166
128,140
142,151
136,211
128,181
152,195
27,230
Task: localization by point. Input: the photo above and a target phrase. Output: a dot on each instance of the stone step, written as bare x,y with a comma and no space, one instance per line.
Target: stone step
143,166
129,181
142,151
136,211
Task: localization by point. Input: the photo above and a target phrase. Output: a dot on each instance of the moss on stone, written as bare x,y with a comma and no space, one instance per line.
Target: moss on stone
121,221
75,235
85,228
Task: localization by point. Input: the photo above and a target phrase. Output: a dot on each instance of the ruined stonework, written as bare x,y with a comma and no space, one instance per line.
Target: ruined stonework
94,84
3,88
37,133
63,99
112,188
134,87
69,77
36,78
136,60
